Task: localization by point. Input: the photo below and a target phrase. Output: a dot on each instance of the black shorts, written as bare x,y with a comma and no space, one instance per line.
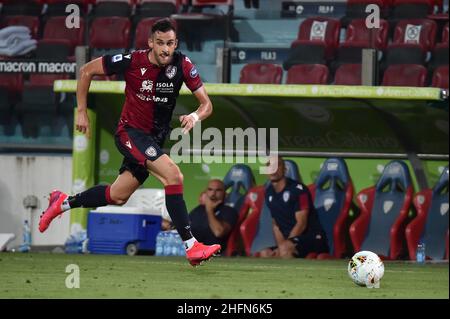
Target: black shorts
137,147
309,243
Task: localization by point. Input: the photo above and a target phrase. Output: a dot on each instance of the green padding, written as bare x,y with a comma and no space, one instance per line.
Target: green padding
327,91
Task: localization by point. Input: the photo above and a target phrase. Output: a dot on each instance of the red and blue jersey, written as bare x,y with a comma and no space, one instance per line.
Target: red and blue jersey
151,91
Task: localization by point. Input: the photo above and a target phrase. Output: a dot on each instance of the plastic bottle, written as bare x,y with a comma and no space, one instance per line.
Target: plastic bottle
181,248
159,244
174,243
420,253
167,249
26,245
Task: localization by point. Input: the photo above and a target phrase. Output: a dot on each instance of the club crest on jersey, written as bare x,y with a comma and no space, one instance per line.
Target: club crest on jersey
146,86
286,196
171,70
151,151
194,72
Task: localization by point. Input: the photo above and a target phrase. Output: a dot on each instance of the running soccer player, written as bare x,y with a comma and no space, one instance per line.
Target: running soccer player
153,80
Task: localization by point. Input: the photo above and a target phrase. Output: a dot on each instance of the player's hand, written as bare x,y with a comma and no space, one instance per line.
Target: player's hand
82,123
188,122
211,204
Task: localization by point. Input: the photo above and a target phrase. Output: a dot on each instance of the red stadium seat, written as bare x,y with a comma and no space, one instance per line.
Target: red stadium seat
359,35
13,83
110,33
308,74
380,226
405,75
416,31
319,31
445,34
55,29
348,74
431,223
440,77
260,73
410,9
28,21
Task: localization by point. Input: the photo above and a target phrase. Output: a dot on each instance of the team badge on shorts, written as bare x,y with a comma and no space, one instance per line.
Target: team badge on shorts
151,151
171,70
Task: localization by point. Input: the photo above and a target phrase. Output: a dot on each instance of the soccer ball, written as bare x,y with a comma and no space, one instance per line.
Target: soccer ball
365,268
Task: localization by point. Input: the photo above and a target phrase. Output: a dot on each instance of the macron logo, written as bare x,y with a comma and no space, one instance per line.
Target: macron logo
143,70
128,144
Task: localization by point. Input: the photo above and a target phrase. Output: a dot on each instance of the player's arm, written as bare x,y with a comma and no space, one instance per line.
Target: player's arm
279,238
301,218
87,71
203,111
220,228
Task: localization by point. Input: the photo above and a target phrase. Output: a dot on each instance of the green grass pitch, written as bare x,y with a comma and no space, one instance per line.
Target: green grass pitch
42,275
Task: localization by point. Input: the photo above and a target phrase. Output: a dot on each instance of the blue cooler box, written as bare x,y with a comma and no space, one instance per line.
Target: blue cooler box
122,230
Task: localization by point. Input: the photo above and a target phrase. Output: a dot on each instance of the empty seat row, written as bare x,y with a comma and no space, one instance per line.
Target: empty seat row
347,74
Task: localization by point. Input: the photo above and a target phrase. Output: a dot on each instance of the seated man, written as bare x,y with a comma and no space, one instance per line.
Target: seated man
295,223
212,221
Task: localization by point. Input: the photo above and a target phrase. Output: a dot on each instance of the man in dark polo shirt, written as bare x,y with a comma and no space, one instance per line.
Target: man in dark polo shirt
295,223
212,221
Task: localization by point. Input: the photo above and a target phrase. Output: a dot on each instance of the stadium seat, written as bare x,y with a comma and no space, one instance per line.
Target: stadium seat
416,31
430,226
110,8
240,179
440,53
12,83
54,49
319,31
348,74
110,33
28,21
411,9
359,35
58,7
380,226
55,29
440,77
333,197
292,171
308,74
260,73
405,75
156,8
26,8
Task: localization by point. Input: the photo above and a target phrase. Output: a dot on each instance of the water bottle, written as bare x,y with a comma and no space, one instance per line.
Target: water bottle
174,242
167,249
181,249
420,253
26,245
159,244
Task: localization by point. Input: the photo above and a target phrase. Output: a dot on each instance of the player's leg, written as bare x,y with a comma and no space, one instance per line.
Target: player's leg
97,196
171,177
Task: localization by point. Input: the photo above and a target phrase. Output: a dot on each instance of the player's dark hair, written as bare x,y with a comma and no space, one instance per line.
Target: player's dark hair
163,25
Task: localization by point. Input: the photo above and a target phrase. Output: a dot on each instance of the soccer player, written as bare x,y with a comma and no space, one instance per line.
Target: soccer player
153,80
295,223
